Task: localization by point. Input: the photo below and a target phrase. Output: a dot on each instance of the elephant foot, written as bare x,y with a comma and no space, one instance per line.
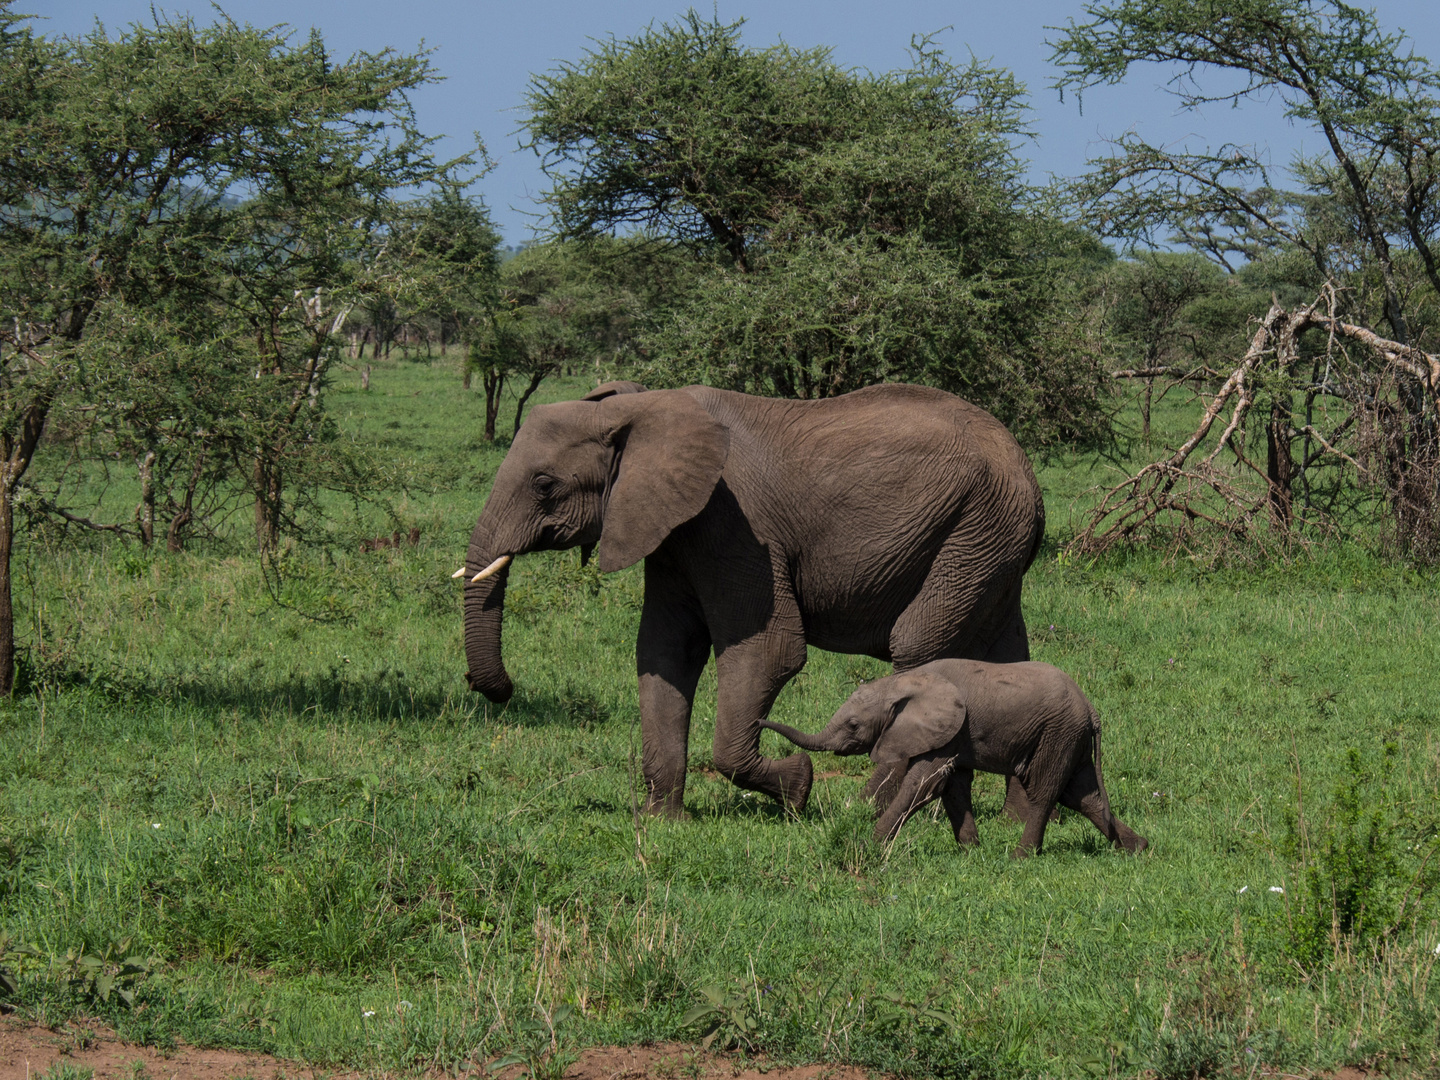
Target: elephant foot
1134,843
1022,852
670,805
795,775
968,837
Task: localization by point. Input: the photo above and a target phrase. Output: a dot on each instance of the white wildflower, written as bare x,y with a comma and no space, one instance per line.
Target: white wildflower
1276,888
1244,888
368,1013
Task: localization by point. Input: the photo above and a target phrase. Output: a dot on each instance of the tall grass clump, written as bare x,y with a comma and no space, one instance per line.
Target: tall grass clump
1364,864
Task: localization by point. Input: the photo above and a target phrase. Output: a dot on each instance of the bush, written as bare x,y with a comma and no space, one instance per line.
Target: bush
1368,873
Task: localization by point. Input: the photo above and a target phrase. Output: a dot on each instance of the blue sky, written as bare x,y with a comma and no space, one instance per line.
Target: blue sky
487,50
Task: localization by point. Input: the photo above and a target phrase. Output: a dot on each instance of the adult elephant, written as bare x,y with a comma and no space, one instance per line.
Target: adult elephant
895,521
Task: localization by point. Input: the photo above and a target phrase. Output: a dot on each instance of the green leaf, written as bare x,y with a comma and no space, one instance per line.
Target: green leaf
695,1014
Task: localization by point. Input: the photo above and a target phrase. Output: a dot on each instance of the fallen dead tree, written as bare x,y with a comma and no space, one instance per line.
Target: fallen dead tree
1339,409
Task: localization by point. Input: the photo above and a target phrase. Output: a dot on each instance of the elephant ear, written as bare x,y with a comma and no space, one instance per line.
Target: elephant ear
610,389
928,712
669,456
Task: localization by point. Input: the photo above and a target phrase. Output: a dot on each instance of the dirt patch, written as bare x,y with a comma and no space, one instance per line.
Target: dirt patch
28,1051
676,1061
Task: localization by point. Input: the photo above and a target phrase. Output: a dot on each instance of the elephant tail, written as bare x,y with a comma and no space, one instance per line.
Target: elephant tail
1112,833
1095,742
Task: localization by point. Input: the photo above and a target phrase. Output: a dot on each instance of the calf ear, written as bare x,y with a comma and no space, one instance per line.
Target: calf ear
669,454
928,713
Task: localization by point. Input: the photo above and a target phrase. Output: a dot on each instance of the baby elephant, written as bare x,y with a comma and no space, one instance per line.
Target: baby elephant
928,728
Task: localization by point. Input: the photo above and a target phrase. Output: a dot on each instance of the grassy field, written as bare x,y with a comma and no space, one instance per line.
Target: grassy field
326,847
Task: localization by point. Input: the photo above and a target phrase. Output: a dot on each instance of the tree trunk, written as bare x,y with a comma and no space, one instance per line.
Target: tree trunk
494,379
146,510
7,612
1145,410
536,378
365,378
267,505
175,535
1279,466
18,449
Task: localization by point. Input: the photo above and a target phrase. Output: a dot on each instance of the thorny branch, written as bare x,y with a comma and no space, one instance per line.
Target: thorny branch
1388,441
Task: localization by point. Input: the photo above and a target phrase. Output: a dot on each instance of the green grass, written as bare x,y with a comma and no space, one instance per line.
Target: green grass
342,855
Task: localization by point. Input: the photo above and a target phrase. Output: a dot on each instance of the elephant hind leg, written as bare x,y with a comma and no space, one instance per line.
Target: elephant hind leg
1017,803
1012,646
1033,838
1049,771
976,623
1085,795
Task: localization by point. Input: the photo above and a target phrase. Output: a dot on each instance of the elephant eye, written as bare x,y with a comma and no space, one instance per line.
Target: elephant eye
544,486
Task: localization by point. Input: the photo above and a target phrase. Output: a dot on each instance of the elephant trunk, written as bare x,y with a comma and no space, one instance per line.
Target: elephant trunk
799,738
484,609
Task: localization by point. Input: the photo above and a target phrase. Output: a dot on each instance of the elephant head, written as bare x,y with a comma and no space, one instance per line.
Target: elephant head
619,470
892,719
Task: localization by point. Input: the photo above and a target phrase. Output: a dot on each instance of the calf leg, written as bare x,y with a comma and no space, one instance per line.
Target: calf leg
956,797
1085,794
1050,768
884,782
922,782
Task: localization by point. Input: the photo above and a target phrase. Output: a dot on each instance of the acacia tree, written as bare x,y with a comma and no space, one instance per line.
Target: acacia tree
1152,313
187,214
1368,221
452,262
852,228
1331,66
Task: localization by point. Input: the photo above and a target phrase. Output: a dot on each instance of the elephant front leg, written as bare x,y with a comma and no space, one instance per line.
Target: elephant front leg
749,677
925,778
670,654
959,808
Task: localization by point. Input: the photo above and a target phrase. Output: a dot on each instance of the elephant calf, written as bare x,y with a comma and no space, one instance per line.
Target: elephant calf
928,728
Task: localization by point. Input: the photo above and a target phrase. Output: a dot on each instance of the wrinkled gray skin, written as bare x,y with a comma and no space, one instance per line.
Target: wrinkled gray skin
896,521
928,729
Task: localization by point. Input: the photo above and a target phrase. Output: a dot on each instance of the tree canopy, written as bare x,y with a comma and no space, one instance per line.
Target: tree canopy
1373,100
187,216
852,228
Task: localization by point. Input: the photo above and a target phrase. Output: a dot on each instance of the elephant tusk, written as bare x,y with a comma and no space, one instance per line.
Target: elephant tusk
494,568
459,573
